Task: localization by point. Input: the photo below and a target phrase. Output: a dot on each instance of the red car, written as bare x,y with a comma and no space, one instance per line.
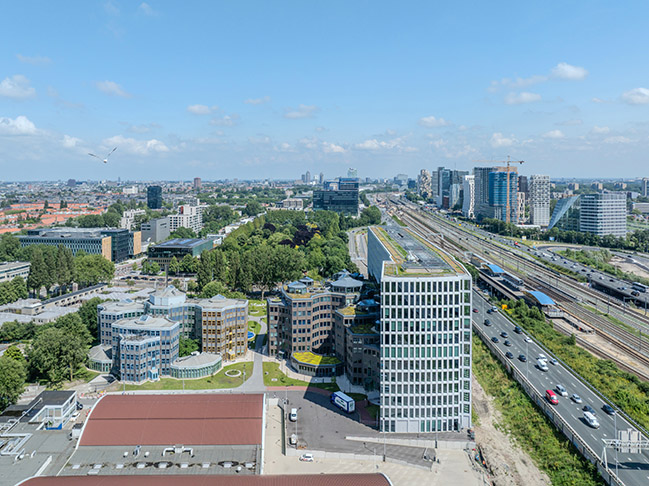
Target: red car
551,397
475,310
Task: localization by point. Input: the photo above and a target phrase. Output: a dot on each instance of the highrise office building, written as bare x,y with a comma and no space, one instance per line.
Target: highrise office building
645,187
340,196
468,203
539,197
307,177
352,172
424,184
499,192
321,178
481,188
603,213
425,333
154,197
523,185
197,183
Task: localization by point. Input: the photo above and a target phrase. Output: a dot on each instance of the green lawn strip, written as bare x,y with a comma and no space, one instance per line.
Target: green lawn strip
86,374
523,420
272,371
217,381
254,326
627,391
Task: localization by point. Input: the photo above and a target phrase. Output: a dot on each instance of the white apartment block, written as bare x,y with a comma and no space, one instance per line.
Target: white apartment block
128,218
603,214
425,333
468,203
188,217
539,192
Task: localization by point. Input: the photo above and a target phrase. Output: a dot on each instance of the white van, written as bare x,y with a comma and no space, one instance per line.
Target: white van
542,364
591,420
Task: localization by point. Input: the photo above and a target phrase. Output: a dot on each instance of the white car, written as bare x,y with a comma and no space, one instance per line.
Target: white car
561,390
542,357
528,339
308,457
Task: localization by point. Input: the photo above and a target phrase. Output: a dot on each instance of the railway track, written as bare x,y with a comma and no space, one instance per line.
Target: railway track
622,339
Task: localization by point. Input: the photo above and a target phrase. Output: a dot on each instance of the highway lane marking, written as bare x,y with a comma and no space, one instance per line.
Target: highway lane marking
593,436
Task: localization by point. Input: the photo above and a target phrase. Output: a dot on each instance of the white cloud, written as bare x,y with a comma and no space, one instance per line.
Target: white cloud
257,101
302,111
70,142
617,139
563,70
636,96
599,100
21,125
556,134
34,60
146,9
225,121
332,148
432,122
16,87
201,109
520,98
499,140
111,88
374,144
600,130
137,147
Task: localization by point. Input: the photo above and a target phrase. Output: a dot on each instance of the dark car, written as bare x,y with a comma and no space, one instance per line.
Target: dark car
504,334
509,355
487,322
522,357
608,409
518,330
588,408
495,339
611,280
475,310
490,311
79,406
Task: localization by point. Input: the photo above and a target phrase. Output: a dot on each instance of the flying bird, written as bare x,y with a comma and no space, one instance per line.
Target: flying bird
105,161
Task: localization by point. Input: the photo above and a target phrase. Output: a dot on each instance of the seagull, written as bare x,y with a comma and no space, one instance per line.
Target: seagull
105,161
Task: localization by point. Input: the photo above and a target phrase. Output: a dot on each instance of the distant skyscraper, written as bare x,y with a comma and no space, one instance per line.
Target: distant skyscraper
645,187
154,197
321,178
539,197
520,210
197,183
351,172
72,183
481,206
522,184
307,177
603,214
498,192
598,186
424,184
573,186
468,203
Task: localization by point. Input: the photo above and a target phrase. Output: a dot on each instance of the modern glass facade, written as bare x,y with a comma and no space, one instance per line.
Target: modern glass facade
498,195
340,196
603,214
154,197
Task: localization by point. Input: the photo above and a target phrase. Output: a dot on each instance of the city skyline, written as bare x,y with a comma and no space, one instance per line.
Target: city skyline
224,91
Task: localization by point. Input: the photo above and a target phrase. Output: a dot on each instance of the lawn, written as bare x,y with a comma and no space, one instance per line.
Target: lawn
86,375
217,381
272,371
254,326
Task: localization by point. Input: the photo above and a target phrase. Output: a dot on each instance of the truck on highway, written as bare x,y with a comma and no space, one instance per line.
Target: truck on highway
343,402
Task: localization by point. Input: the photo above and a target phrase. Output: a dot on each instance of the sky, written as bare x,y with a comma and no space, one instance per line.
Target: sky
258,89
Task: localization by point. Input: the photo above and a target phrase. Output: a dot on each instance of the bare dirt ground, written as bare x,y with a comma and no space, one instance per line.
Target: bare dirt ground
625,266
508,464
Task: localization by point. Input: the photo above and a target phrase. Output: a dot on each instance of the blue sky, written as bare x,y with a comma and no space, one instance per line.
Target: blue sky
271,89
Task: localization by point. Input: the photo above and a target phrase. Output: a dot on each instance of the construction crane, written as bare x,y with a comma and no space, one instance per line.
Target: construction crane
508,163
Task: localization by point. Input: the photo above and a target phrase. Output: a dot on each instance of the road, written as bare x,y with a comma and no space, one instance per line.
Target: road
633,468
358,249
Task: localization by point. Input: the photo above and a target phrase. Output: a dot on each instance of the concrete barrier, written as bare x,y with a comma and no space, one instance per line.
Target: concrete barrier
422,443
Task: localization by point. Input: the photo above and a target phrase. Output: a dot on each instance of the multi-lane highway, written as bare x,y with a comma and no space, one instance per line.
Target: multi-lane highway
633,469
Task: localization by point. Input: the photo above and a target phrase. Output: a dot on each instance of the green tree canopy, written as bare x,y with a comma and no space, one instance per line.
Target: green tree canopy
12,380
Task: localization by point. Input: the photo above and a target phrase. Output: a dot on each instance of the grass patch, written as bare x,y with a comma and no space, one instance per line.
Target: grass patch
373,410
254,326
398,221
87,375
315,359
550,450
217,381
273,376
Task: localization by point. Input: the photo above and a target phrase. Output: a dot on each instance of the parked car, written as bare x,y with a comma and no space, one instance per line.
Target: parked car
308,457
487,322
293,415
608,409
575,398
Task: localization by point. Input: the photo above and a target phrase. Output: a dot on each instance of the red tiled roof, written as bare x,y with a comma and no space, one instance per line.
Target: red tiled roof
211,419
214,480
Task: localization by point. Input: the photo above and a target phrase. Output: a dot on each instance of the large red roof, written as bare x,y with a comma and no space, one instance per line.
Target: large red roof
215,480
199,419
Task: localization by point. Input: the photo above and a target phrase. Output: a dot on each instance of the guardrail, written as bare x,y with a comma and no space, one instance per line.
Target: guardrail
557,420
583,380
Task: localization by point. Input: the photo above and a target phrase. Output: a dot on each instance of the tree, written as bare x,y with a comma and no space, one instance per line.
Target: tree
187,346
88,314
9,248
14,352
12,380
188,264
212,289
37,272
182,232
92,269
73,325
19,287
56,355
174,266
253,208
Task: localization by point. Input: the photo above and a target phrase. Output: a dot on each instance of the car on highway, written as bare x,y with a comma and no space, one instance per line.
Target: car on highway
487,322
518,330
551,397
561,390
509,355
542,365
308,457
494,308
542,357
528,339
591,420
588,408
490,311
608,409
575,398
522,357
507,343
495,339
611,280
553,361
504,334
475,310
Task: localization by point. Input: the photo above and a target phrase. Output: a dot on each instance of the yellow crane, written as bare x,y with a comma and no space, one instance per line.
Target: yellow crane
508,163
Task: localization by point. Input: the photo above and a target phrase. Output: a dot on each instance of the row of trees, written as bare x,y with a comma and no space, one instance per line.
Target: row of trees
13,290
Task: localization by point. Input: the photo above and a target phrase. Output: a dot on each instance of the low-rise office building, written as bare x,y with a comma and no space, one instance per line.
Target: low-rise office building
155,230
10,270
178,247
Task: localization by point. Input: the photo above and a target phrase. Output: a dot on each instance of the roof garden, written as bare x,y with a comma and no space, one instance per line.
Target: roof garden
363,329
315,359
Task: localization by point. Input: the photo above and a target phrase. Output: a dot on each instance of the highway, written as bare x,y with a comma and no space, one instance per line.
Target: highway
633,469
